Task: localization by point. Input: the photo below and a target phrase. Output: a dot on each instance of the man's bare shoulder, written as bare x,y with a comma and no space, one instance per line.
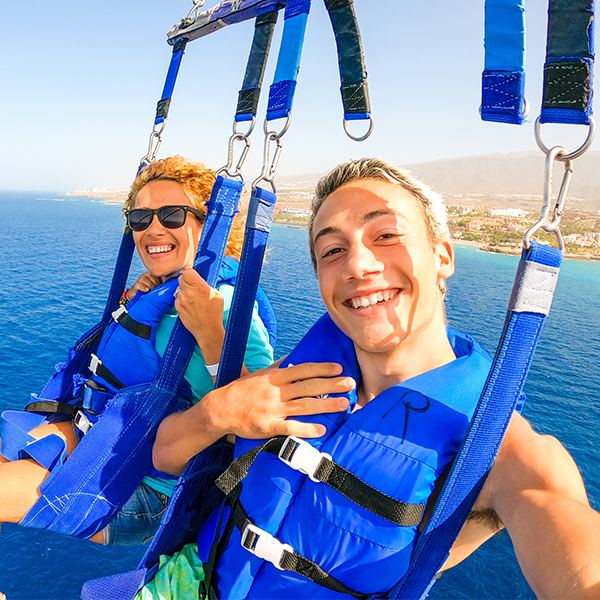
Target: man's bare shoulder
528,462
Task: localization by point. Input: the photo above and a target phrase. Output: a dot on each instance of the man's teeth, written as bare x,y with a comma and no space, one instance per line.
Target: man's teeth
157,249
371,299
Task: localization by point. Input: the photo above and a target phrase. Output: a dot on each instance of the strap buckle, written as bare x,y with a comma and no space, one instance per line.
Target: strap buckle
95,362
119,312
81,421
304,457
264,545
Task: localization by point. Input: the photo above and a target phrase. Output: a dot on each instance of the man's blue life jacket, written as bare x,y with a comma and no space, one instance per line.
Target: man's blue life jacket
125,358
339,515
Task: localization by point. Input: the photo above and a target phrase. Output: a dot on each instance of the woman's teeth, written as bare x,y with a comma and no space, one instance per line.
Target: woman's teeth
157,249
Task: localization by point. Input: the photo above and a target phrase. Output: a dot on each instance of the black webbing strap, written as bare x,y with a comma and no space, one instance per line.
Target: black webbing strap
134,327
331,474
353,73
249,95
290,559
103,372
49,406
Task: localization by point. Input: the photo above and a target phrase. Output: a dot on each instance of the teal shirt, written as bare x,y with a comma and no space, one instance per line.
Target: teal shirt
259,355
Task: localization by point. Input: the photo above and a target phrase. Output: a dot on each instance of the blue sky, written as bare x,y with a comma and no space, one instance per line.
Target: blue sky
81,80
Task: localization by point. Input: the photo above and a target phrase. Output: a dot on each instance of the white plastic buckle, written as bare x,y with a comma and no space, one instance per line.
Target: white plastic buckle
305,458
117,313
94,362
265,546
81,421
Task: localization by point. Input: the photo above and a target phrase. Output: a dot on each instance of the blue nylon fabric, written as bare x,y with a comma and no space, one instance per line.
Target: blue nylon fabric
258,226
170,79
503,80
120,274
499,398
504,35
288,63
503,96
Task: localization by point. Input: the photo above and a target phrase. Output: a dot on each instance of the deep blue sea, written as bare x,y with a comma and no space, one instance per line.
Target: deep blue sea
58,254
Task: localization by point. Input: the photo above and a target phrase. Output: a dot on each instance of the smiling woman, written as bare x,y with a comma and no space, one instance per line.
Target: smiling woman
165,211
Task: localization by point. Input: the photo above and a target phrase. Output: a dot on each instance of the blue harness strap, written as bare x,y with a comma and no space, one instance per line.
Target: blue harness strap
503,79
568,70
529,305
281,92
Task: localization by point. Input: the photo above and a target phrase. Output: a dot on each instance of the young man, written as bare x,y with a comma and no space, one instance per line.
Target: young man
380,246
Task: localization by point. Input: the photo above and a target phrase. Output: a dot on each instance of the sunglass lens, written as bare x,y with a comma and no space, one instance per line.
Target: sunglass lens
139,219
172,217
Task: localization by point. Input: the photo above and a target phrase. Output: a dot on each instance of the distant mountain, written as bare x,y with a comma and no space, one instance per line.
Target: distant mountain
517,173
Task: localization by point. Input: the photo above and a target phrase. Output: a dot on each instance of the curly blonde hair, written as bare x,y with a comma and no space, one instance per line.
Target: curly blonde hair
197,182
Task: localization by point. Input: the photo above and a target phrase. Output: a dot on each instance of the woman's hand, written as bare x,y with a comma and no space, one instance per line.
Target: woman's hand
258,406
144,284
200,308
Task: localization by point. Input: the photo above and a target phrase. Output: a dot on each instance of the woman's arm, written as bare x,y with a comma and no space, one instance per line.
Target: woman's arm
256,407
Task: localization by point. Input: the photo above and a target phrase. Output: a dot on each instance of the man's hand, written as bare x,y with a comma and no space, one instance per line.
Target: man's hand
145,283
258,406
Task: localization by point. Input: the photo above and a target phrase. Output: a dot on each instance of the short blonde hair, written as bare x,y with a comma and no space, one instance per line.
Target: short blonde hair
197,182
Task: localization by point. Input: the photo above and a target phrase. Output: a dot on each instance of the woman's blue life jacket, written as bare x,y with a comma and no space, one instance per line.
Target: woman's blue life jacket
339,515
126,356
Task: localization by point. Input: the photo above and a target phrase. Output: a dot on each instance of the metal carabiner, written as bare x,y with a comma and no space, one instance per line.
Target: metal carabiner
187,21
550,220
269,166
154,142
237,136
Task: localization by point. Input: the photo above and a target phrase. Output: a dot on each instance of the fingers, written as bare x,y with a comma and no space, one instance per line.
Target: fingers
307,371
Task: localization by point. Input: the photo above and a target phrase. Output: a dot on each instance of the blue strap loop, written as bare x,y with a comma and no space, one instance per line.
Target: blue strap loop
503,80
281,93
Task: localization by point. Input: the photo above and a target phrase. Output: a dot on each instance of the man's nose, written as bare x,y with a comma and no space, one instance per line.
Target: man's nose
362,261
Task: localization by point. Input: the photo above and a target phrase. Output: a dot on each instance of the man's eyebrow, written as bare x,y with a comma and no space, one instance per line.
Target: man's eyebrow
325,231
382,212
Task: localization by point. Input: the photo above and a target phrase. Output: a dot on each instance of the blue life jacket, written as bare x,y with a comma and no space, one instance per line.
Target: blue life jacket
346,522
126,361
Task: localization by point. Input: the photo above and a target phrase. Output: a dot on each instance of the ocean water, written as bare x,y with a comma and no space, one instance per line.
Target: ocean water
58,256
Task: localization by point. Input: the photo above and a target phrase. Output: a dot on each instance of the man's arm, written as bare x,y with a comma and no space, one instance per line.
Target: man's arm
256,407
536,490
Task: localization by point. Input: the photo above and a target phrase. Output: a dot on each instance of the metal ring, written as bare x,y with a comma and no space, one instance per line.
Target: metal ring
362,137
250,129
276,135
572,155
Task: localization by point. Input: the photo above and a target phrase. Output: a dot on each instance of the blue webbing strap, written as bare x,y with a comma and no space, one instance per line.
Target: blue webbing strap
249,95
529,304
503,80
222,208
162,107
258,226
119,280
568,70
281,92
351,60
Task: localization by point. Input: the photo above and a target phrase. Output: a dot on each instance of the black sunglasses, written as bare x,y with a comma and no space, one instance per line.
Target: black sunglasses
170,217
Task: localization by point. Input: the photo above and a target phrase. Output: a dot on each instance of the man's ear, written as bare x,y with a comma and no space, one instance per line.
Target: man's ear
445,258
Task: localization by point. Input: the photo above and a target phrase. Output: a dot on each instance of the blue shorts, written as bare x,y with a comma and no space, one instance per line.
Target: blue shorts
138,520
